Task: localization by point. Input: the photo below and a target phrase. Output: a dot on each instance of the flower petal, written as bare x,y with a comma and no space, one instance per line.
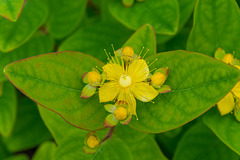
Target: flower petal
226,105
143,91
110,121
108,91
236,90
138,70
114,71
127,96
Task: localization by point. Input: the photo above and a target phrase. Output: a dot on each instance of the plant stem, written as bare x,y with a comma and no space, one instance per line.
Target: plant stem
109,135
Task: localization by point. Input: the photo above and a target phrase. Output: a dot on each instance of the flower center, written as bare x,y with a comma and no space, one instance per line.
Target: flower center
125,81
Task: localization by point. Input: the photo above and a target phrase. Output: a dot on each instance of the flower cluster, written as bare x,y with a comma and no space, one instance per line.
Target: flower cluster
231,102
125,78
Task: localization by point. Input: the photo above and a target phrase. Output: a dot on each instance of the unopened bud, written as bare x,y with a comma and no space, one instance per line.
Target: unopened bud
128,51
228,58
157,79
93,141
121,113
94,78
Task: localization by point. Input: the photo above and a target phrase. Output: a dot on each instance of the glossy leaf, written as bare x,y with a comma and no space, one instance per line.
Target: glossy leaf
143,37
216,24
58,86
146,149
8,109
200,143
29,130
36,45
64,16
185,11
14,34
18,157
191,77
71,148
142,145
94,39
11,9
227,128
45,152
163,16
56,125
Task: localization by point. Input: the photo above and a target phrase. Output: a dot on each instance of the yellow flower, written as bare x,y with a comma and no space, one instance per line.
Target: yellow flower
127,82
227,104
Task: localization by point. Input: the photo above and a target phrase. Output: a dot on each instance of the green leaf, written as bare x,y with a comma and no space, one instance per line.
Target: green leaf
226,127
38,44
8,109
142,145
162,16
11,9
64,16
200,143
191,77
129,135
71,148
186,8
14,34
95,38
146,149
56,124
18,157
143,37
3,150
29,130
45,152
216,24
58,86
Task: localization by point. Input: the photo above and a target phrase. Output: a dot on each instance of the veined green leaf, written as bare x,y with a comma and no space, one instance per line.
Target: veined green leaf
56,125
46,151
65,16
227,128
55,81
143,37
200,143
94,39
14,34
8,108
216,24
71,148
29,130
195,80
162,16
38,44
3,150
11,9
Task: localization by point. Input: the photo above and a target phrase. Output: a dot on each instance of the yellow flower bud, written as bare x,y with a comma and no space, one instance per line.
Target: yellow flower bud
128,51
93,141
121,113
228,58
94,78
157,79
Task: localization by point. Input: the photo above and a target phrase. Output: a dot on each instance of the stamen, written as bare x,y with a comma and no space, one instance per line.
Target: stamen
99,68
153,69
152,62
141,52
145,53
